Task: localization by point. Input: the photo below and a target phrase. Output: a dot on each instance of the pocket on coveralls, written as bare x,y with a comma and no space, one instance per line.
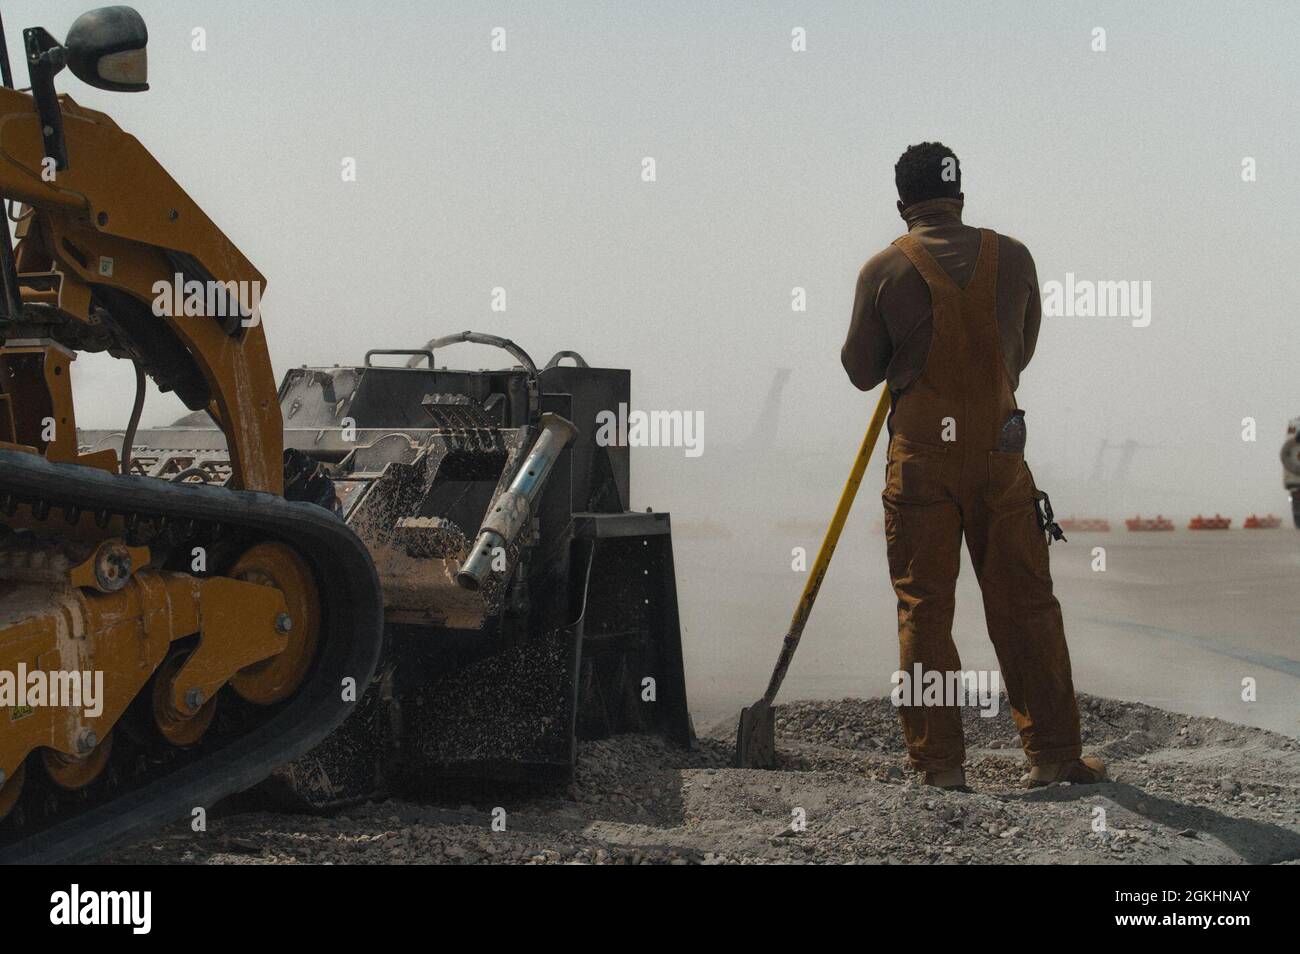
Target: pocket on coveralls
1009,482
913,472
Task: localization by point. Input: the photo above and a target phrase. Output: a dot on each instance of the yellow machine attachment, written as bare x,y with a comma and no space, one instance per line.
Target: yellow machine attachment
172,596
103,243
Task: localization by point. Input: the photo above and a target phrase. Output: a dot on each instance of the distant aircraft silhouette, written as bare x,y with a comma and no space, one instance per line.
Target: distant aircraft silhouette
769,415
1127,448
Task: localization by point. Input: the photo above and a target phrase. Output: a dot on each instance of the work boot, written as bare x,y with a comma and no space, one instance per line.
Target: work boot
1088,770
953,780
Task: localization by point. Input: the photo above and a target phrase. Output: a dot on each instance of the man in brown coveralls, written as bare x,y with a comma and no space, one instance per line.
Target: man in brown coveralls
948,315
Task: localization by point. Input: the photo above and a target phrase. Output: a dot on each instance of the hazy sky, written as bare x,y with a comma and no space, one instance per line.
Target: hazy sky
522,169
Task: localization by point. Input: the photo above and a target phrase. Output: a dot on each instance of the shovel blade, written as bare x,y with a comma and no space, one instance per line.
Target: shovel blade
756,736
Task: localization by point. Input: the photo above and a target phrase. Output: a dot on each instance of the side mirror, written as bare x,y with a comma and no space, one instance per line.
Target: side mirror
106,49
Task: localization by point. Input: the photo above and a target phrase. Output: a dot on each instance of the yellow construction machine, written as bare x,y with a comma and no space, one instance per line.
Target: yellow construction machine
162,643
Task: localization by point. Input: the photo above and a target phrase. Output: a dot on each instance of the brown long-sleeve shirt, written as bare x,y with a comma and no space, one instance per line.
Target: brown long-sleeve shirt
889,335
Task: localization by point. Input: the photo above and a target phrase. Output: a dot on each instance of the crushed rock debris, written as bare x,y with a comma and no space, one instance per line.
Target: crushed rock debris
1186,790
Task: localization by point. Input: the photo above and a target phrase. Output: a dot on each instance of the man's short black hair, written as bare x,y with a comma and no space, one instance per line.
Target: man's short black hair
928,170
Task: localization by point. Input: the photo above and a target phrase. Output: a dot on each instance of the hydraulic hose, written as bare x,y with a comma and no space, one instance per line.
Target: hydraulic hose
129,440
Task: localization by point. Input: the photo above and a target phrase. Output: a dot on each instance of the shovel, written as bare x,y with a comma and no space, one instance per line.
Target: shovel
756,734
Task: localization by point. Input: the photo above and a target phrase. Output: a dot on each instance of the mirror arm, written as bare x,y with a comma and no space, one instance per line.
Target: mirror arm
45,58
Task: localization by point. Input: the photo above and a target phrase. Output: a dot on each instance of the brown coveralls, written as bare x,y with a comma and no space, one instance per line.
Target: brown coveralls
935,491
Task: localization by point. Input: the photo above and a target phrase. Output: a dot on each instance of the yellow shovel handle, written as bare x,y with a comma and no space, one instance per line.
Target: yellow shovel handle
804,607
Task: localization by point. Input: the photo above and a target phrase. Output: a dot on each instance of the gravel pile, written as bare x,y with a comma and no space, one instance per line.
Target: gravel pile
1186,790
